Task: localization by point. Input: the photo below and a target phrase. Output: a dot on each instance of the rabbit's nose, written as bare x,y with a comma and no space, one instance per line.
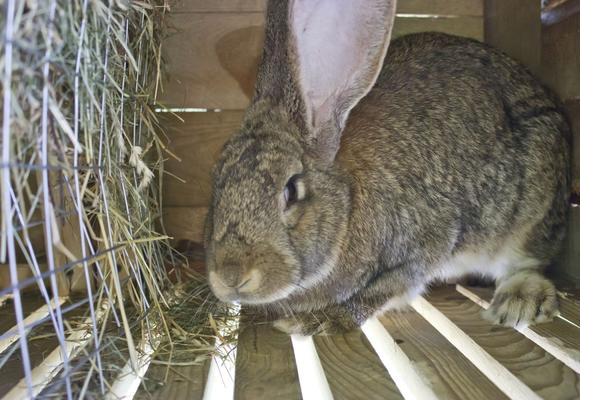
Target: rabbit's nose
233,280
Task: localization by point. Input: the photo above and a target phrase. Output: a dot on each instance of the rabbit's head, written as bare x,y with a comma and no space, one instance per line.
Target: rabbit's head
280,208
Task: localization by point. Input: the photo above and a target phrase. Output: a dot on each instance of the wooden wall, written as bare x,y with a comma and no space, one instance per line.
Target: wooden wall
212,58
547,41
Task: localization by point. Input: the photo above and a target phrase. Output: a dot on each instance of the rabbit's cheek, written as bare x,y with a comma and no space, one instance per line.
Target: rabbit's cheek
293,215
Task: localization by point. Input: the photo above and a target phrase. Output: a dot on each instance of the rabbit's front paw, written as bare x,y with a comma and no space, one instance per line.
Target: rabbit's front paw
522,299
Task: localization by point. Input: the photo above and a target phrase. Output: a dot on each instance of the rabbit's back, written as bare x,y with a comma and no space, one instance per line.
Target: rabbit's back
460,146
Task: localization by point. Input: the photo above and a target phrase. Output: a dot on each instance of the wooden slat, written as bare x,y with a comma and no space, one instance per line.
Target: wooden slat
471,27
513,26
197,142
450,374
30,302
544,374
572,109
441,7
436,7
560,56
219,6
559,337
182,382
569,307
39,349
265,366
353,369
23,272
212,60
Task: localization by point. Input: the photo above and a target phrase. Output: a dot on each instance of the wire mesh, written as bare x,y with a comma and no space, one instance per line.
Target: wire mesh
81,250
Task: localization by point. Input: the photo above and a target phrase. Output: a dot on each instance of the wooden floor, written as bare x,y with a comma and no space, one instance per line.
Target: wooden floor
266,367
453,351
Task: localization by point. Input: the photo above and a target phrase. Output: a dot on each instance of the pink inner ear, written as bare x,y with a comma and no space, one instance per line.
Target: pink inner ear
338,45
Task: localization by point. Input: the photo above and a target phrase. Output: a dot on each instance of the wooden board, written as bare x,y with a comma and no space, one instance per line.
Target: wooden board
182,382
441,7
450,374
513,26
211,60
353,369
265,366
235,6
29,302
41,341
569,307
561,58
471,27
197,141
572,108
435,7
560,331
184,223
544,374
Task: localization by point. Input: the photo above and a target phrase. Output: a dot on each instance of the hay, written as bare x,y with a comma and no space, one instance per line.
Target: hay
82,153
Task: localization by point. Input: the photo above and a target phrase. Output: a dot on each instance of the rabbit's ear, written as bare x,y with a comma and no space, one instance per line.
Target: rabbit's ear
319,59
338,49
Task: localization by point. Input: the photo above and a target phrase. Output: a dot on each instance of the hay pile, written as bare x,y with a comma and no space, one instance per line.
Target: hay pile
81,168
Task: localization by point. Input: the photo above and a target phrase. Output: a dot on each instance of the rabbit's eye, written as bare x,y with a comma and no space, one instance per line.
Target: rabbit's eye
293,191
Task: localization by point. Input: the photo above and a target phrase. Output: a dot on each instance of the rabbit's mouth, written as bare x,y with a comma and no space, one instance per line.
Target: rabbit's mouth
251,289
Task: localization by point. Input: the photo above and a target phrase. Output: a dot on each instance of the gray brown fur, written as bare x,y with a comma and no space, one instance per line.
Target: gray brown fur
457,149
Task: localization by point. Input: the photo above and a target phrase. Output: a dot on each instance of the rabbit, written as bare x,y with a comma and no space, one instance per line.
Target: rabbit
365,169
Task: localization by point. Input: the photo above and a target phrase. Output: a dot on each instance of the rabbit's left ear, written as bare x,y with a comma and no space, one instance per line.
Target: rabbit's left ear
339,47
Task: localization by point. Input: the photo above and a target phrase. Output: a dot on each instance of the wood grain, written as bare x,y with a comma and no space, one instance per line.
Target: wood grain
265,366
514,27
41,341
218,6
353,369
441,7
561,57
211,60
471,27
544,374
572,108
436,7
197,141
23,272
450,374
182,382
567,334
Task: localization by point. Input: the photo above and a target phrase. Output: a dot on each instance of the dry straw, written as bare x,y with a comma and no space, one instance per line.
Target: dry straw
82,157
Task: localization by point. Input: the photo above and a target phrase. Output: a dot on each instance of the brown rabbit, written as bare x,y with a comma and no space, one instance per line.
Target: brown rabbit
354,183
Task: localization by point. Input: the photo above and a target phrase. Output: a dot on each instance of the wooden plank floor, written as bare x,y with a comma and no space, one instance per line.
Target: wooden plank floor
265,366
548,377
562,331
353,369
181,382
449,373
42,340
